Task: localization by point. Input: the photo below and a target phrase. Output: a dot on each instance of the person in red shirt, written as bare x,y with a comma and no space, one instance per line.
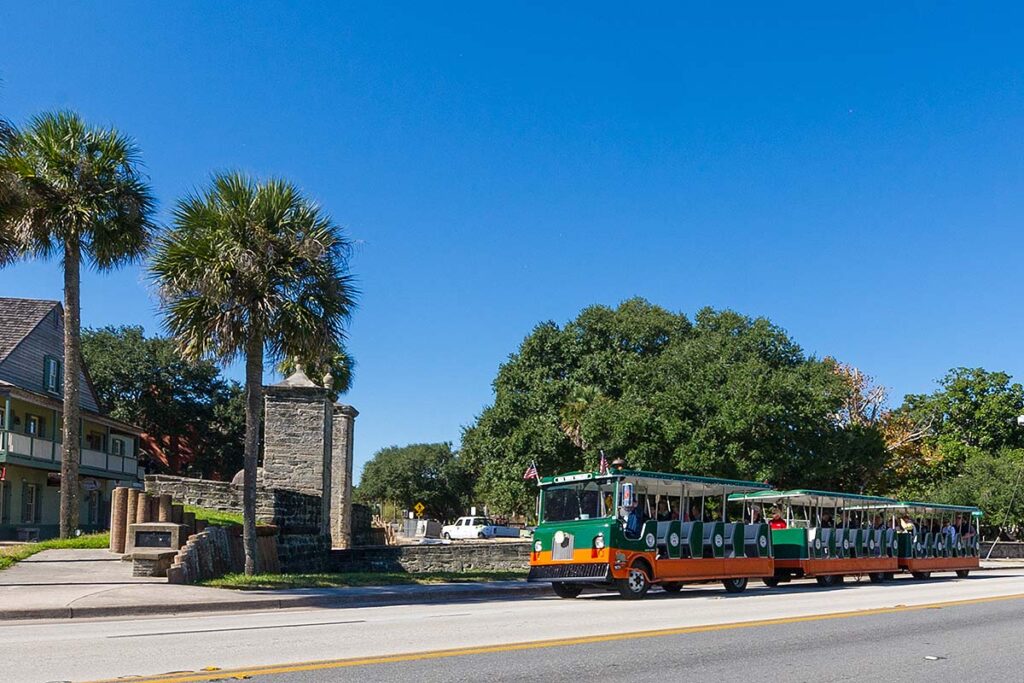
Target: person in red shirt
777,522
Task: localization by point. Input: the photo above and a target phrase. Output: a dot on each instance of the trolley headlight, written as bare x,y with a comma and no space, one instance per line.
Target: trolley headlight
538,546
560,538
599,541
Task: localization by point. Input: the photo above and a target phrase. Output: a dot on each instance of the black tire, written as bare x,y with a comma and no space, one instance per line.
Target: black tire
566,590
447,536
735,585
876,577
921,576
770,581
963,573
481,535
830,580
636,585
672,586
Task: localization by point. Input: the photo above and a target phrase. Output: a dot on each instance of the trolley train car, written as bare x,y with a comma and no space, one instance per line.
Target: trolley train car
627,530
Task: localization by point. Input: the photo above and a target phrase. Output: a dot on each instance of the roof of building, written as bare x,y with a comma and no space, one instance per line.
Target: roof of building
18,317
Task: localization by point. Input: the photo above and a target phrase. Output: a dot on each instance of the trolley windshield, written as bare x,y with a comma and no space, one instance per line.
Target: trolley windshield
579,500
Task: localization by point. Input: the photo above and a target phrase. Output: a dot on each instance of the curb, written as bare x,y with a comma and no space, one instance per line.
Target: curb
263,604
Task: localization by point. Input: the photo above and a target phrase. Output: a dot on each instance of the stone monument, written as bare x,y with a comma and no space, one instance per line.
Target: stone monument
307,449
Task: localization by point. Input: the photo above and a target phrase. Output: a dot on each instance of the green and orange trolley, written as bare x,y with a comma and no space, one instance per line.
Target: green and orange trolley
628,530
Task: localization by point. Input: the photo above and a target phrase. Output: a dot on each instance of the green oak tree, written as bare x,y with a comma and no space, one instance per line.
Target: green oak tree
179,402
725,395
74,192
249,270
430,473
973,411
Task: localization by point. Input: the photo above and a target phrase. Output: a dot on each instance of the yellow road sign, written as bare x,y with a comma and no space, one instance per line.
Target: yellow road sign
419,508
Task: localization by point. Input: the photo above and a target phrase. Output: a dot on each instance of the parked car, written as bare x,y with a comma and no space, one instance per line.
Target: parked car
477,527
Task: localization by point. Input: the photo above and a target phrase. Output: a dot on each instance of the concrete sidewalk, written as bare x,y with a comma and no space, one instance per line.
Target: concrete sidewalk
66,584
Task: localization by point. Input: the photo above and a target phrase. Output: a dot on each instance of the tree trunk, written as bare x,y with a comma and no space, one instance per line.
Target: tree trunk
71,432
253,413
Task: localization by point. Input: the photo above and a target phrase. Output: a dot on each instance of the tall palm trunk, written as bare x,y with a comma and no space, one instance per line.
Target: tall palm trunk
253,413
72,361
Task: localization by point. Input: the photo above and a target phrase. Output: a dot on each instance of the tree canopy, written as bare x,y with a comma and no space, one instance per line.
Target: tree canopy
181,404
430,473
724,395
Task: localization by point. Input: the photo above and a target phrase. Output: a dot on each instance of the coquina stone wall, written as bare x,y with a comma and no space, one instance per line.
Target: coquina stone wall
301,543
450,557
1004,550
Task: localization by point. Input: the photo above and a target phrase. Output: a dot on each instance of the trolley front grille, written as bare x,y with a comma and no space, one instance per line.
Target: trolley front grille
559,572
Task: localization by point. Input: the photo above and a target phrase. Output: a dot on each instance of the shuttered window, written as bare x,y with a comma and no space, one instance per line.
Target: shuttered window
5,502
29,503
52,374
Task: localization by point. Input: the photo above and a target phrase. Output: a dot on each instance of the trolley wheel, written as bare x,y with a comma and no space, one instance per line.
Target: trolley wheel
636,585
830,580
566,590
672,586
735,585
889,576
877,577
770,581
963,573
921,575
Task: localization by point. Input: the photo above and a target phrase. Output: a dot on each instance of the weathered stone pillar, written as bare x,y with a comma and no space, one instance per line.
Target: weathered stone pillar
133,508
164,509
118,519
142,508
177,513
297,440
343,427
153,515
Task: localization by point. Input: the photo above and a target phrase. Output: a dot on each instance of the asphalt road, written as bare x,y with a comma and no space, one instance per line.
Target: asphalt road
972,628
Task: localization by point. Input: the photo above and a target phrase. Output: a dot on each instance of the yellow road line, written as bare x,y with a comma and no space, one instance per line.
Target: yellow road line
220,674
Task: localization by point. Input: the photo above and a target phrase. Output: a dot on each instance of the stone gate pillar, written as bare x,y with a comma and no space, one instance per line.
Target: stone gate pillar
343,426
297,448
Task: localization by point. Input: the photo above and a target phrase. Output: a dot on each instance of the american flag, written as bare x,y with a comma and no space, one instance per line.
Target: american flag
603,465
531,472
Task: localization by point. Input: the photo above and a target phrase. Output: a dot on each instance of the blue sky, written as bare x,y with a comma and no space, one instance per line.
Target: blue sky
853,174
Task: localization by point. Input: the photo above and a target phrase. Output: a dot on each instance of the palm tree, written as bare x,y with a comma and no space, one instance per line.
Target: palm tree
74,191
249,270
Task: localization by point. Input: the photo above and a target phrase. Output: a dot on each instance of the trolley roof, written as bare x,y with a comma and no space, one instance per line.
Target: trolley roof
816,498
691,482
914,506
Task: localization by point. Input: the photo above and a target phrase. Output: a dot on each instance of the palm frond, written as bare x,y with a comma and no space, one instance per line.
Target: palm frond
76,184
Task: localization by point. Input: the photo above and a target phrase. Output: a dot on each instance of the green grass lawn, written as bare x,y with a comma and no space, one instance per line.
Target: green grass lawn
14,553
348,580
215,517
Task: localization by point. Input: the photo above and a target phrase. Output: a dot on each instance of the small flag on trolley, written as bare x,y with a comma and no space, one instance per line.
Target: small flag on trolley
603,465
531,472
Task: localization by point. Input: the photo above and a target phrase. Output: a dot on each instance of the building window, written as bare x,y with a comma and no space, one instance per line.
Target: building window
116,446
34,425
5,502
94,441
52,374
29,503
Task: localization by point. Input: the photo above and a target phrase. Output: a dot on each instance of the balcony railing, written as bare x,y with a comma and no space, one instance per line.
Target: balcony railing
44,450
